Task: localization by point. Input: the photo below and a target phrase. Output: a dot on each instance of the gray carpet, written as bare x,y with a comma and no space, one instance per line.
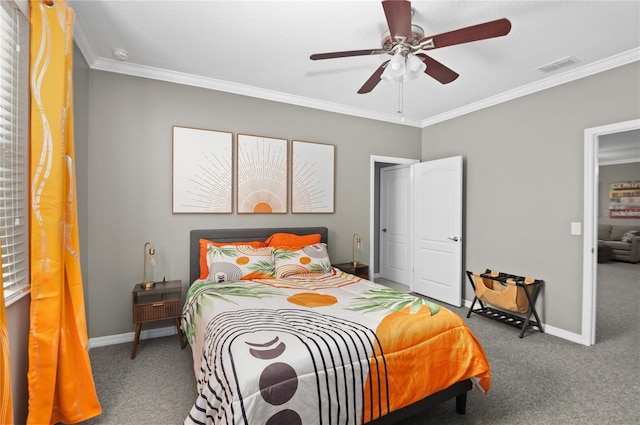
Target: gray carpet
539,379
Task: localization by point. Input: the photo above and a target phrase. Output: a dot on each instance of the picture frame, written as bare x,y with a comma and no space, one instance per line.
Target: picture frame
262,167
202,171
624,201
312,178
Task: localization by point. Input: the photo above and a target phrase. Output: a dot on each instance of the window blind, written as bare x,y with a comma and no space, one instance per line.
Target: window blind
14,145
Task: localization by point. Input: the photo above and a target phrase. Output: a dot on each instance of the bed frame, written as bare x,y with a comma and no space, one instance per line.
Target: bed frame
458,390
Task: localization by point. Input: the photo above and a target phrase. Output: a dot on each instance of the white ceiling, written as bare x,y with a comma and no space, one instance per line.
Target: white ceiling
262,48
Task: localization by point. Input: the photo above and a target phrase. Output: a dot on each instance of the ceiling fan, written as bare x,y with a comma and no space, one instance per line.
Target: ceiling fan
406,41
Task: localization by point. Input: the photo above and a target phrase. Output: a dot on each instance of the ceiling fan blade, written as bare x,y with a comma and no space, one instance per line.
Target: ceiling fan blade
437,70
398,13
483,31
373,81
333,55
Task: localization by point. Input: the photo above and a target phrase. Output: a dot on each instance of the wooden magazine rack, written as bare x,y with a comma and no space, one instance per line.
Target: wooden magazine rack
509,294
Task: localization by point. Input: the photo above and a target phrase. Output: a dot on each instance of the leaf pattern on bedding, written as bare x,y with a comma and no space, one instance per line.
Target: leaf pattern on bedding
324,267
264,268
284,254
203,294
221,251
391,299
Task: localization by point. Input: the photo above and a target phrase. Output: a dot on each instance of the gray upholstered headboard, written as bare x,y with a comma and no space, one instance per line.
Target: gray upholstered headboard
240,235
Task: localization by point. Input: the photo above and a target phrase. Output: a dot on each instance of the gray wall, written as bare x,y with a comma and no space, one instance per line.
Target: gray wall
81,152
18,329
608,174
524,181
129,194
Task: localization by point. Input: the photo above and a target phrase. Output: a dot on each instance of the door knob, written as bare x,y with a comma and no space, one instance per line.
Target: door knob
455,239
384,230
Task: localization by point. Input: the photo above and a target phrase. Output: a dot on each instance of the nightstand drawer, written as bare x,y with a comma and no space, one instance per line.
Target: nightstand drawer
157,310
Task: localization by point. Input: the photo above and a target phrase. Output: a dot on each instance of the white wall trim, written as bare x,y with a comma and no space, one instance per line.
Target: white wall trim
550,330
110,65
81,37
590,247
372,199
128,337
143,71
575,74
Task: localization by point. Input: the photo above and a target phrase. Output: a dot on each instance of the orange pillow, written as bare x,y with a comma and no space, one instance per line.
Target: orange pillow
292,241
204,268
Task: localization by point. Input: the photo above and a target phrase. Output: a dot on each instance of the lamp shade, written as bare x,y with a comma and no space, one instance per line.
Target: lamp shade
403,68
395,69
357,245
149,264
414,66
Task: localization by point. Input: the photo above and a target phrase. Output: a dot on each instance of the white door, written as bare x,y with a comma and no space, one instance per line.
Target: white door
395,210
437,230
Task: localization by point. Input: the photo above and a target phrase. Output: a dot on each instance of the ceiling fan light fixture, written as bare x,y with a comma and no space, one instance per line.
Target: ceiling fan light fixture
397,63
414,65
402,68
395,69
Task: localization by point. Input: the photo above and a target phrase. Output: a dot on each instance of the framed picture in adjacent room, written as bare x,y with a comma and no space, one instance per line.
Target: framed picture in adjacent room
202,171
262,175
624,199
312,177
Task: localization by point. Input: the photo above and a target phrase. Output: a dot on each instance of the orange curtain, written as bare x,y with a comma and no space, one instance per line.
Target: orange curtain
61,387
6,406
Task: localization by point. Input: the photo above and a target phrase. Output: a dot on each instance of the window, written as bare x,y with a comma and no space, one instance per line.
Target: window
14,149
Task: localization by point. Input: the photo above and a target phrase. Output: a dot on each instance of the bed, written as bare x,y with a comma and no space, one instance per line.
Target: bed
279,336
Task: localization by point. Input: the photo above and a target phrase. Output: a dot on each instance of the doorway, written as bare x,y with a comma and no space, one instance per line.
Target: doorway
394,258
592,139
376,165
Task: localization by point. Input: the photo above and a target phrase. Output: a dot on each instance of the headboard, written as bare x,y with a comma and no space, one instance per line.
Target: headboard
240,235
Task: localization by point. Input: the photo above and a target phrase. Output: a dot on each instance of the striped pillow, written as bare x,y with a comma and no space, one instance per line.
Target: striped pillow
294,261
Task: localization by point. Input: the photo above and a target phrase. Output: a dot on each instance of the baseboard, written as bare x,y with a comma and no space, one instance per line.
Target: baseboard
128,337
171,330
561,333
551,330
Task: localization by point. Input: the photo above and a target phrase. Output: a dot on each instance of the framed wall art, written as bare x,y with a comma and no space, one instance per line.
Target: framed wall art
312,177
624,199
262,175
202,171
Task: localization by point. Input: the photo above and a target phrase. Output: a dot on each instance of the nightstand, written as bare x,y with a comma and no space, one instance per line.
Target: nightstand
361,270
161,302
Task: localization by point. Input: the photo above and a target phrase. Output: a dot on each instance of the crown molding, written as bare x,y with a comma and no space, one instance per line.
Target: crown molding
615,61
109,65
160,74
81,37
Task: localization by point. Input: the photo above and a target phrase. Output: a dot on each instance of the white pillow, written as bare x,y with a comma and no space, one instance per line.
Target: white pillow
629,235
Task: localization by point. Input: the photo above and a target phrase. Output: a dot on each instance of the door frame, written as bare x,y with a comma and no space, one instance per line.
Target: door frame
590,243
374,207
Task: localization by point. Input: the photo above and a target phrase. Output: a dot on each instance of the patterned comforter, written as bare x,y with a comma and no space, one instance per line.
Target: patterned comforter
320,350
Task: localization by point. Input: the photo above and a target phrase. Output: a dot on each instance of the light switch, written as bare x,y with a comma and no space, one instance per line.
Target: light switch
576,228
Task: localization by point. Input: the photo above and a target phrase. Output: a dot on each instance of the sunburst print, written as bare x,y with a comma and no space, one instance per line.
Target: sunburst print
312,177
262,175
201,171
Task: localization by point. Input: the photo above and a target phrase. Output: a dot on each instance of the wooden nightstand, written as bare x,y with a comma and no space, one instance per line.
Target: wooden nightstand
361,270
161,302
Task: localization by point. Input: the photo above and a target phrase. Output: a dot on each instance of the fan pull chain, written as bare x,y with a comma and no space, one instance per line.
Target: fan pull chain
401,99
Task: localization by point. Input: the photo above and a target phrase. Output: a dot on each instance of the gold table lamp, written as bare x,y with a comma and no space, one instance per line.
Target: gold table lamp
149,260
357,245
